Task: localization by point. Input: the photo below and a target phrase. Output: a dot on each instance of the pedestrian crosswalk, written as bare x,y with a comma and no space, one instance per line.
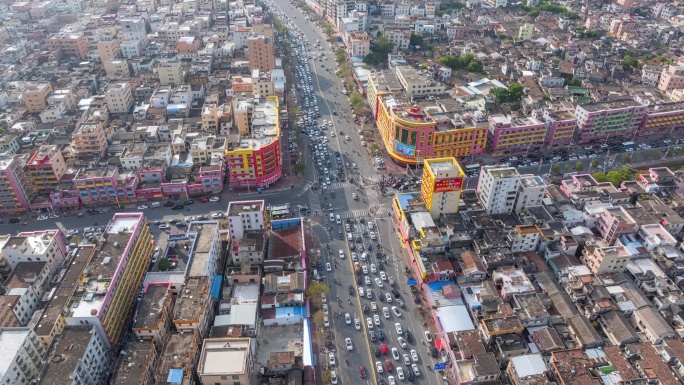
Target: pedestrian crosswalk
382,211
340,185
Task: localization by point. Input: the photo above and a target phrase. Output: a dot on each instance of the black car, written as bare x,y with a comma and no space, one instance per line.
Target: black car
366,309
351,290
169,204
409,374
93,212
359,279
188,202
433,351
377,351
177,207
396,293
409,336
181,224
372,335
381,266
14,220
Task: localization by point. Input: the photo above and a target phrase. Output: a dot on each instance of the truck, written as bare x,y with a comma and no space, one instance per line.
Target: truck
156,204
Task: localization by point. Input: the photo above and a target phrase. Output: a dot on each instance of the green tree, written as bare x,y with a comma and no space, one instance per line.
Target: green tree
327,377
164,264
351,86
75,239
306,8
466,62
556,169
616,177
567,167
594,164
318,318
626,158
512,94
299,168
328,29
379,51
630,61
574,82
356,100
316,289
415,40
579,166
600,177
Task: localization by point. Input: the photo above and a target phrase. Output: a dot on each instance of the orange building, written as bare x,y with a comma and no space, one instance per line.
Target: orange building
71,44
261,54
35,96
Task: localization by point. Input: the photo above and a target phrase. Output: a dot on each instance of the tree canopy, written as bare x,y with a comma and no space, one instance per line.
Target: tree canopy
512,94
416,40
466,62
379,51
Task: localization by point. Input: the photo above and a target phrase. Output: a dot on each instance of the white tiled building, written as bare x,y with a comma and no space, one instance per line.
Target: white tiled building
497,188
22,353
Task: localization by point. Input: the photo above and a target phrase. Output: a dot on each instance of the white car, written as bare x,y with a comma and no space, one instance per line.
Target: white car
43,217
341,254
378,366
333,377
378,282
383,276
325,309
357,324
416,371
369,322
354,257
388,297
395,354
348,342
376,319
347,318
407,359
214,199
385,312
396,311
402,342
328,267
364,269
414,355
397,326
367,280
362,292
142,207
331,359
372,236
373,268
400,373
370,225
428,336
326,322
217,214
391,380
369,294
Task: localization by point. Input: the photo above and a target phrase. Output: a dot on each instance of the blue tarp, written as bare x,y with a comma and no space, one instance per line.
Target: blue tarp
175,376
216,286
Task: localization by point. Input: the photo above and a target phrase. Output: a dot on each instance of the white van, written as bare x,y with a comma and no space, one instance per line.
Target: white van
332,217
364,255
338,219
156,204
350,237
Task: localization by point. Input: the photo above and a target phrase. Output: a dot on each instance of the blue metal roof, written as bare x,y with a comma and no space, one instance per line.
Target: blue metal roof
216,286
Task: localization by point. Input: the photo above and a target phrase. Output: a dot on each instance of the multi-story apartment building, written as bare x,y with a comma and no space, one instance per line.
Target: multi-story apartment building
614,222
22,356
254,160
119,98
46,167
111,280
170,73
260,52
442,186
262,84
531,192
80,355
602,120
415,83
152,320
603,260
226,361
497,188
515,134
103,185
243,216
663,118
671,78
28,283
37,246
358,43
108,50
88,139
16,186
560,127
137,368
35,96
71,45
399,38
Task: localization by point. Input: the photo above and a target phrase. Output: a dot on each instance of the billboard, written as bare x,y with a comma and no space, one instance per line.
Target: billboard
404,149
448,184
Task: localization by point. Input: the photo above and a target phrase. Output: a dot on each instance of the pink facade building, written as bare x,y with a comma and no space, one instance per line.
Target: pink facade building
561,127
663,118
597,121
507,134
614,222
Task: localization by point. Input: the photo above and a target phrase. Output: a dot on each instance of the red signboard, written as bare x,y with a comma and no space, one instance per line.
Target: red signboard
448,184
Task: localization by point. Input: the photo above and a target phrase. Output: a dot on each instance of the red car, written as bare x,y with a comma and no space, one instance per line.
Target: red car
384,348
362,371
204,200
388,365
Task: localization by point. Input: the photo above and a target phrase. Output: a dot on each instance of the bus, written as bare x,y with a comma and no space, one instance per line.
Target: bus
628,144
279,212
472,169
